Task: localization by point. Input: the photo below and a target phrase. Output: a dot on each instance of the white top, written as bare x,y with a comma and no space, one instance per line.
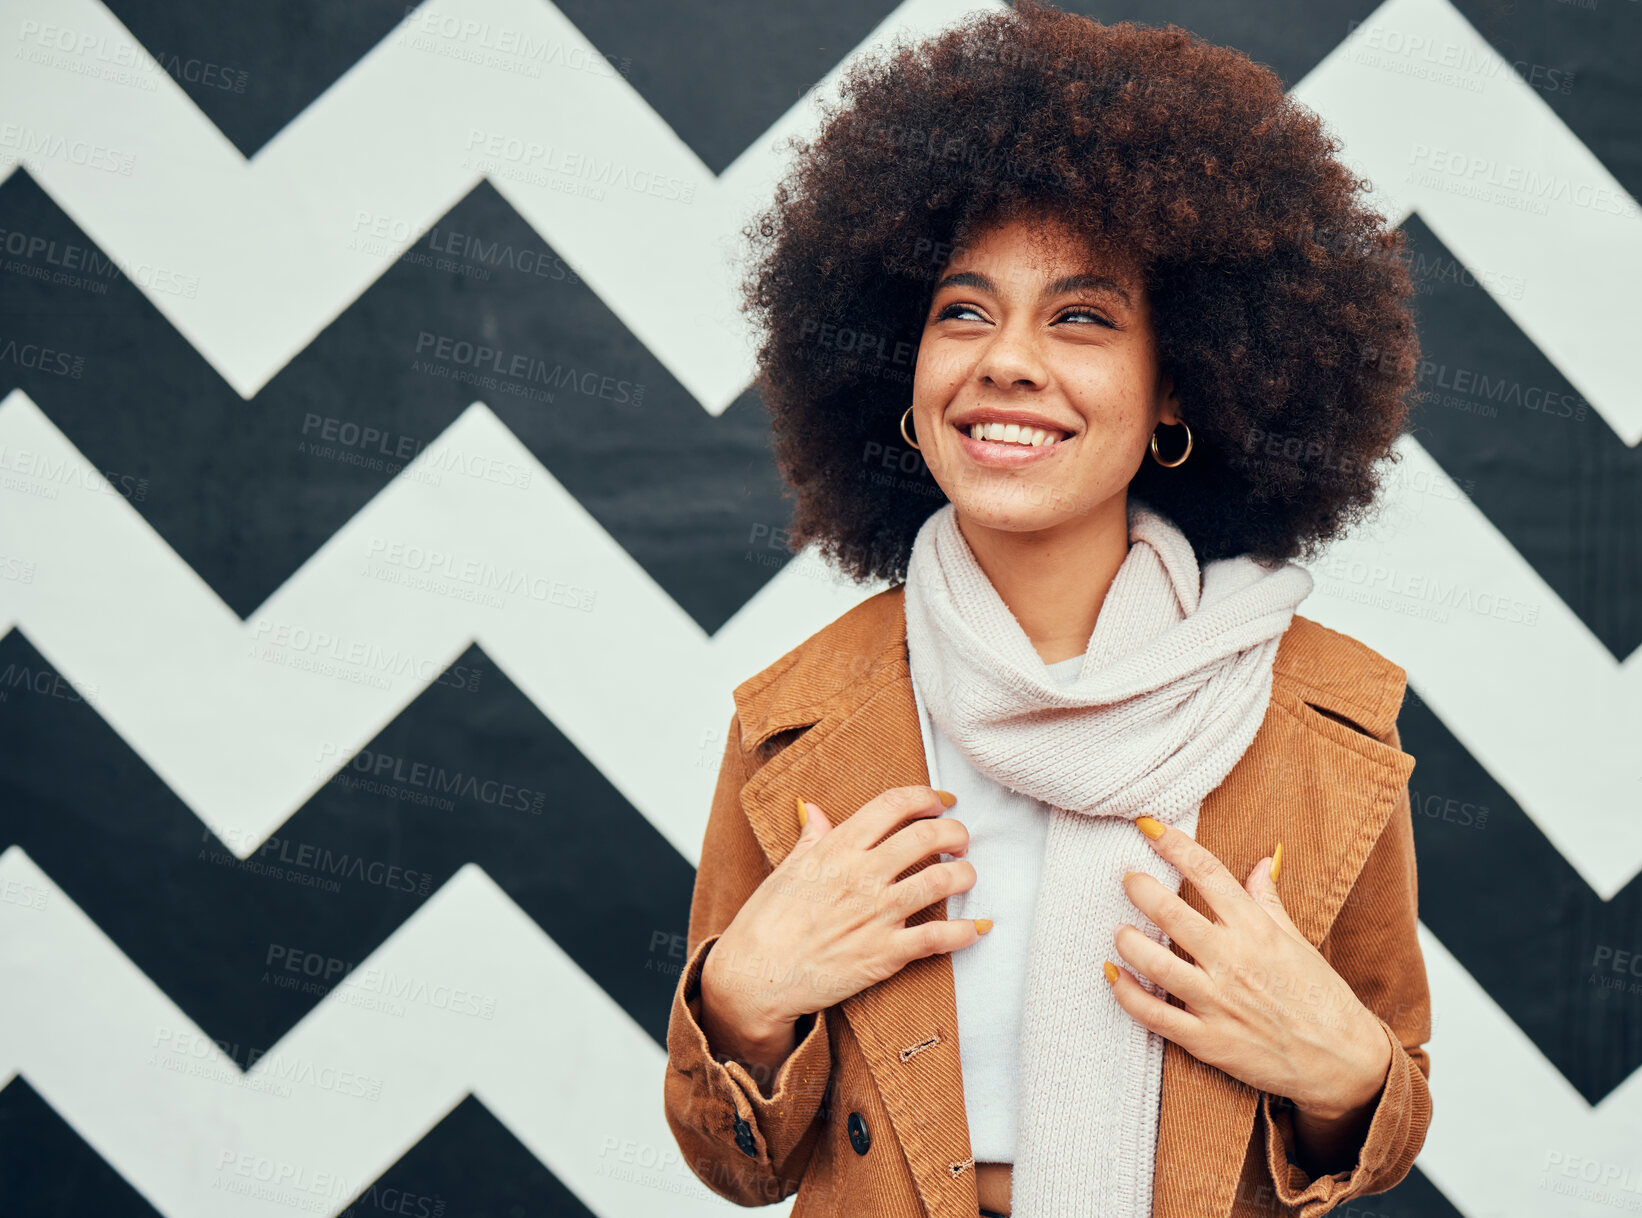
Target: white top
1007,833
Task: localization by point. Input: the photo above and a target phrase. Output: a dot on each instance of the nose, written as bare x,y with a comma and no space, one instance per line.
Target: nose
1011,358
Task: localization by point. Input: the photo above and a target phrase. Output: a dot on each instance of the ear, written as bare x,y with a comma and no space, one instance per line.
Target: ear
1168,403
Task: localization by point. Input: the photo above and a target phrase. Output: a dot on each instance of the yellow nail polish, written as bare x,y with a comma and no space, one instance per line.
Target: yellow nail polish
1127,874
803,812
1276,860
1111,973
947,797
982,925
1151,828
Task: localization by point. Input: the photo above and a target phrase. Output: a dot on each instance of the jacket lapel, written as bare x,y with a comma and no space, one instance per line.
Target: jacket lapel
865,741
1325,791
1319,786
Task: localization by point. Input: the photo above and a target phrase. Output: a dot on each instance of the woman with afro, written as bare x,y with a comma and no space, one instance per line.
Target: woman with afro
1079,335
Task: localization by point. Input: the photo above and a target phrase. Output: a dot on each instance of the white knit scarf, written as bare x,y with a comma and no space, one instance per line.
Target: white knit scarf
1173,687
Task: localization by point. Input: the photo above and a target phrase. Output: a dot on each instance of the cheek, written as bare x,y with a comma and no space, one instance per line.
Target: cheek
937,371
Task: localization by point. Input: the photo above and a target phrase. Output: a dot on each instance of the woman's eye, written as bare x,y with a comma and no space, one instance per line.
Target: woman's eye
961,311
1086,313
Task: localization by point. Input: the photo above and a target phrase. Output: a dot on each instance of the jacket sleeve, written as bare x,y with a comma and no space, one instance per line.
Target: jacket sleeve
749,1144
1374,946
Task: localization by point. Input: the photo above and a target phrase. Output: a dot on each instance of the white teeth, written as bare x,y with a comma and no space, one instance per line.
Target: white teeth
1014,433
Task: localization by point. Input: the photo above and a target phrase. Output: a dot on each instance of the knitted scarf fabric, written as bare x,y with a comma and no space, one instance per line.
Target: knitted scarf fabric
1173,687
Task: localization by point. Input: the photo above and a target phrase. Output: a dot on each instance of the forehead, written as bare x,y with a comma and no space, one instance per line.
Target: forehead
1036,248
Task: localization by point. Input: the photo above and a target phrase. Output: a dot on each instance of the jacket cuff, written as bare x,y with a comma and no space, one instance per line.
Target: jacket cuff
766,1130
1389,1147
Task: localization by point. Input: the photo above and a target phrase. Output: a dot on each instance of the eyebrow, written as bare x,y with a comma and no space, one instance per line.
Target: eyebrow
1070,283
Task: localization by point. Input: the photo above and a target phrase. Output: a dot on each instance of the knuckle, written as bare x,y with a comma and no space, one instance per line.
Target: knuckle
917,890
931,938
905,799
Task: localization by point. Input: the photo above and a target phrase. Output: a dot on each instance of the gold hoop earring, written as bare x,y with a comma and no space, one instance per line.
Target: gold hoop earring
1171,464
908,438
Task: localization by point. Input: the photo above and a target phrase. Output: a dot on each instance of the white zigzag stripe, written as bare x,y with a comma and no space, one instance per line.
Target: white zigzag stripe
1442,124
392,140
1549,1153
467,996
1514,673
89,1039
246,720
270,239
180,670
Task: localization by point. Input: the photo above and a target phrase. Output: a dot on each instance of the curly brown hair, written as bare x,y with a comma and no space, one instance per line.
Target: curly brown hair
1279,302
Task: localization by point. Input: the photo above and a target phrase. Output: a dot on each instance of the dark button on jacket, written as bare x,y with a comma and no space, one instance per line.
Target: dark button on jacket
859,1137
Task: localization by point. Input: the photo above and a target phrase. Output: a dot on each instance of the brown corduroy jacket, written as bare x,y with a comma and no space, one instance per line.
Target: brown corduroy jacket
866,1117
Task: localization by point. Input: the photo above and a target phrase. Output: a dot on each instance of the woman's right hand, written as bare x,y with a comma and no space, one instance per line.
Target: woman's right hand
831,919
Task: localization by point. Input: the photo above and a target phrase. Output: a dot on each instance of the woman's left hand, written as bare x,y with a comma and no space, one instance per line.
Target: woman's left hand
1261,1003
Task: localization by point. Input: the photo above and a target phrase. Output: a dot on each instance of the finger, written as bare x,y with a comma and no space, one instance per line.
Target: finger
888,811
1171,914
926,886
1152,1012
937,935
916,841
1263,890
813,823
1158,964
1218,887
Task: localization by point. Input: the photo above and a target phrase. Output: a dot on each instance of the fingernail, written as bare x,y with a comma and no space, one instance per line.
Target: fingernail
982,925
947,797
1127,874
1111,973
803,812
1276,860
1151,828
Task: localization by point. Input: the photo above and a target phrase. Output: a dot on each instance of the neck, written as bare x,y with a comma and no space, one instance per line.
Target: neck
1055,580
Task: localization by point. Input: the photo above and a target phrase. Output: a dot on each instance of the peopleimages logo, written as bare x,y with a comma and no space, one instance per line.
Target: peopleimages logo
527,368
386,767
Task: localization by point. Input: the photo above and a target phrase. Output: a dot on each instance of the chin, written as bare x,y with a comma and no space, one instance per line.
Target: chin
1010,513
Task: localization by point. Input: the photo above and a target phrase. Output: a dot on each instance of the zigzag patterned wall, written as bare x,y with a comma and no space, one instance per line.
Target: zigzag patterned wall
360,707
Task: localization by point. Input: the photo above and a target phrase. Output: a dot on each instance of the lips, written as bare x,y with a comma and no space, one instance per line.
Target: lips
1012,432
1000,454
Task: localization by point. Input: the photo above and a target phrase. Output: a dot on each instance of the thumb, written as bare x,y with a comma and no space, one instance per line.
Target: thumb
813,823
1263,888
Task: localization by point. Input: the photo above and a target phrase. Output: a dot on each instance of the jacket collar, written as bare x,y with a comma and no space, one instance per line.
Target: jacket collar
1317,784
1328,670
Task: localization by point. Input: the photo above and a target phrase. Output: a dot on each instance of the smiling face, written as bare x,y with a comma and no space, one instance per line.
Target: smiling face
1028,329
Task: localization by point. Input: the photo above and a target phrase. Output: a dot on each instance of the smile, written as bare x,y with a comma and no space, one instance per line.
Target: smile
1007,446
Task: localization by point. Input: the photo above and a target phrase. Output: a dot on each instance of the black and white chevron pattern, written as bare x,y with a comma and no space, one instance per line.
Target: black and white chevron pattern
385,519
